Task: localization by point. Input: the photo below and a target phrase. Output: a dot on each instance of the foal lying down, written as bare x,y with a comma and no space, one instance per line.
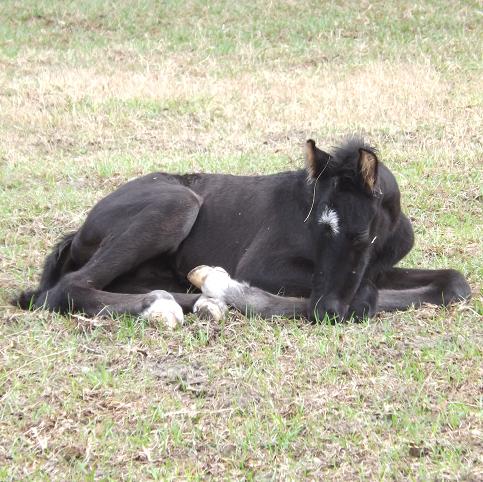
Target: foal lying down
316,242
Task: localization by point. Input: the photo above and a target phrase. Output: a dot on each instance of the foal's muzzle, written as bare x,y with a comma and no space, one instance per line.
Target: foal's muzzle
333,309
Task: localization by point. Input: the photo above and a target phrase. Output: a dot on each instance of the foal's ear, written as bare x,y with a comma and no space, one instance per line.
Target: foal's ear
368,167
315,160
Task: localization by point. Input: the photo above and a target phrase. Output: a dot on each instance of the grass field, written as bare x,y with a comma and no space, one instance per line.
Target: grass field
93,93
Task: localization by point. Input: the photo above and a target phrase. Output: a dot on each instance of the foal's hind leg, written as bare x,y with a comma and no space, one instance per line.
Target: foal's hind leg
154,230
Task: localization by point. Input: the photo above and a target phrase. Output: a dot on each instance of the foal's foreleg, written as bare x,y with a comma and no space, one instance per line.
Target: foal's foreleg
217,284
397,289
365,301
401,288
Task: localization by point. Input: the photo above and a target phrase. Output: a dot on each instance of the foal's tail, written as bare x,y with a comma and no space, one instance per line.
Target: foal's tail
401,288
58,262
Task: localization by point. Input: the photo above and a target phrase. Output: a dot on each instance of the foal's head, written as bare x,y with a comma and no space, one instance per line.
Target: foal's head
346,205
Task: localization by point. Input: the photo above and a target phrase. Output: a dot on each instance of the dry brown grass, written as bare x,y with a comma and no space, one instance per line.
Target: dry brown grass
237,112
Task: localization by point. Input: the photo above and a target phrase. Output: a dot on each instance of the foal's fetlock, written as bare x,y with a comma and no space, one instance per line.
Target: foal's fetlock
214,282
161,305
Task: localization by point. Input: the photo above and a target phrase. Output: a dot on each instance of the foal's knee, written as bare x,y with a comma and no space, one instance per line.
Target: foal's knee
404,239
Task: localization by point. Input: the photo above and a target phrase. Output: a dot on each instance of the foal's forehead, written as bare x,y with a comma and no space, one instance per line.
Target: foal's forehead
351,203
348,210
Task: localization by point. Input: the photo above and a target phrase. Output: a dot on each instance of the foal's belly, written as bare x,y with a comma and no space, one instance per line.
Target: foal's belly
254,243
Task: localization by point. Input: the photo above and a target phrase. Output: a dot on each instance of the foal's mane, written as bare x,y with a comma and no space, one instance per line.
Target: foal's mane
344,158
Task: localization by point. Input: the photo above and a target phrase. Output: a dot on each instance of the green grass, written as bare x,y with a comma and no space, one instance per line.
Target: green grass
94,93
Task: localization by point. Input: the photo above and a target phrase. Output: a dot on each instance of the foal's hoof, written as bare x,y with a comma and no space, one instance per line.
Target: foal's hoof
164,308
212,281
198,275
210,308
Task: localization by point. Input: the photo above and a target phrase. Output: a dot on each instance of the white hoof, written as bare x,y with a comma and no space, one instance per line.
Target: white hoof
210,308
164,308
198,275
214,282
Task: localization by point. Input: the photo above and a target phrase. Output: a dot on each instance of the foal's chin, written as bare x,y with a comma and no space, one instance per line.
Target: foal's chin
334,309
